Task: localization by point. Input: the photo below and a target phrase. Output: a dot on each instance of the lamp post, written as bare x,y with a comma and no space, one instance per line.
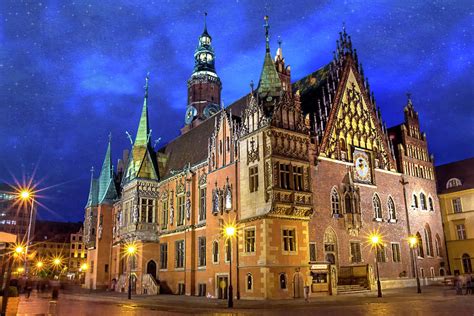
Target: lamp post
27,196
376,240
413,242
131,251
229,233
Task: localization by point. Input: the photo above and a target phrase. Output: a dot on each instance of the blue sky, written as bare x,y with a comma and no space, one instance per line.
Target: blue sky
71,72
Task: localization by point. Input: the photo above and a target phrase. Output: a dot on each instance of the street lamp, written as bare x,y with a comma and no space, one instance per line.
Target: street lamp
131,250
26,195
413,242
376,241
229,232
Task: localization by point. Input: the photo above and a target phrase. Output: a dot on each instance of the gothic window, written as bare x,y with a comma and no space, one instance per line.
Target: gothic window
215,252
422,201
453,182
391,209
356,256
438,246
228,198
228,250
253,178
430,204
312,251
164,256
289,240
250,240
335,205
284,176
181,209
179,254
249,285
415,201
348,204
202,251
282,281
457,207
466,263
377,207
396,252
420,245
298,178
202,204
164,215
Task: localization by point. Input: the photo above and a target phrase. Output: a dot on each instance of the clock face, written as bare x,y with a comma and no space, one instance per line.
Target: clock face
190,114
362,167
211,109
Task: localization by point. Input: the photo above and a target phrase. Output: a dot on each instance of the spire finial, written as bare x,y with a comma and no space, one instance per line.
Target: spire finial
251,85
279,42
110,137
147,78
92,172
267,37
408,94
205,21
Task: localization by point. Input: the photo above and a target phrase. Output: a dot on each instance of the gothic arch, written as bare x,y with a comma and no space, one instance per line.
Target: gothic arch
330,246
335,201
377,206
428,240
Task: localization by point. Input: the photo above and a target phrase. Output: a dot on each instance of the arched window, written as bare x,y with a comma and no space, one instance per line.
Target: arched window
420,245
453,182
428,241
228,250
466,263
430,204
377,207
282,281
335,205
392,214
348,203
422,201
215,252
415,201
249,286
438,246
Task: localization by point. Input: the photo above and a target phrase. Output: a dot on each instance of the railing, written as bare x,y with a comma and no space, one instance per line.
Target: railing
149,285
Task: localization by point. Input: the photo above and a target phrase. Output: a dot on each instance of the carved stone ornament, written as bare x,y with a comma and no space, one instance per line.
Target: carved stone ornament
252,151
99,231
188,208
215,201
135,214
203,179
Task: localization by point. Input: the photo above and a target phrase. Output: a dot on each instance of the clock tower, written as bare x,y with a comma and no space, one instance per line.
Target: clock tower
204,86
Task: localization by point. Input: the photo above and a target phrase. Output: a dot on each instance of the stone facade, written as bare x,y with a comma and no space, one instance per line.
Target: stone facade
305,171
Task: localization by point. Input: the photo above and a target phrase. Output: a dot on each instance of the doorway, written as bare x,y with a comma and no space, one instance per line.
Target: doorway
222,286
151,268
298,284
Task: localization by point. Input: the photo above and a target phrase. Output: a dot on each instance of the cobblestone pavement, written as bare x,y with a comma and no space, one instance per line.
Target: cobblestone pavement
433,301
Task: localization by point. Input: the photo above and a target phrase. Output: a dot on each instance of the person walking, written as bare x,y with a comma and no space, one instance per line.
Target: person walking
307,285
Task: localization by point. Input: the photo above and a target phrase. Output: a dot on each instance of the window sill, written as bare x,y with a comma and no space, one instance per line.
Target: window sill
216,262
178,269
337,216
202,268
164,270
377,219
393,221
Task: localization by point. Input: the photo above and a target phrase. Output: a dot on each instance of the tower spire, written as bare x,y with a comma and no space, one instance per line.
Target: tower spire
143,127
267,36
269,84
107,190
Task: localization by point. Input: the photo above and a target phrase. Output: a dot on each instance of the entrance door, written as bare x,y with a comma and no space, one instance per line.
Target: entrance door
222,282
151,268
298,284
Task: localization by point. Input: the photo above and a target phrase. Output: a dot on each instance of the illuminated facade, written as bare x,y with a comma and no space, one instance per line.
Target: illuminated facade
456,195
306,170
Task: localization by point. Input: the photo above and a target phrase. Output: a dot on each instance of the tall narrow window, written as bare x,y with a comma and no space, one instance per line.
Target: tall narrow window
283,281
356,256
228,250
391,209
377,207
250,240
215,252
298,178
437,246
415,201
163,256
428,241
202,204
335,205
466,263
423,201
430,204
285,176
381,256
202,251
396,252
164,215
420,245
181,209
249,286
312,251
348,204
179,254
457,207
253,178
289,240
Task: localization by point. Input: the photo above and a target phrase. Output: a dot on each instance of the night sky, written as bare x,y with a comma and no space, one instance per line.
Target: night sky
71,72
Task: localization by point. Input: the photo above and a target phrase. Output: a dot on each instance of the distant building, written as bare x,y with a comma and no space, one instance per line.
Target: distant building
456,195
14,216
53,239
78,253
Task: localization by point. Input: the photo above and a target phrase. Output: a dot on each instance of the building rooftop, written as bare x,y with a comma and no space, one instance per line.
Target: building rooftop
455,176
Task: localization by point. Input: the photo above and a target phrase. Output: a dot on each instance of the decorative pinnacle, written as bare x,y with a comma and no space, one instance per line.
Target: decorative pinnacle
251,85
110,137
205,21
147,78
92,171
267,38
279,42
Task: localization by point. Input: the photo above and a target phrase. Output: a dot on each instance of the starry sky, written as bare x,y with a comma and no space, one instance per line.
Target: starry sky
73,71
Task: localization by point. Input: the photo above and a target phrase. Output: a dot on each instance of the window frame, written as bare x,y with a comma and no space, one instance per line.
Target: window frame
289,241
396,255
250,248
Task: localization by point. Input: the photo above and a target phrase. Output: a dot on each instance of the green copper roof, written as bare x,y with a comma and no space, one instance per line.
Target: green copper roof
93,198
270,83
107,190
143,127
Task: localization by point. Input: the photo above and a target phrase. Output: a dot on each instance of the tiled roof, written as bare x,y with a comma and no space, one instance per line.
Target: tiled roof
462,170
